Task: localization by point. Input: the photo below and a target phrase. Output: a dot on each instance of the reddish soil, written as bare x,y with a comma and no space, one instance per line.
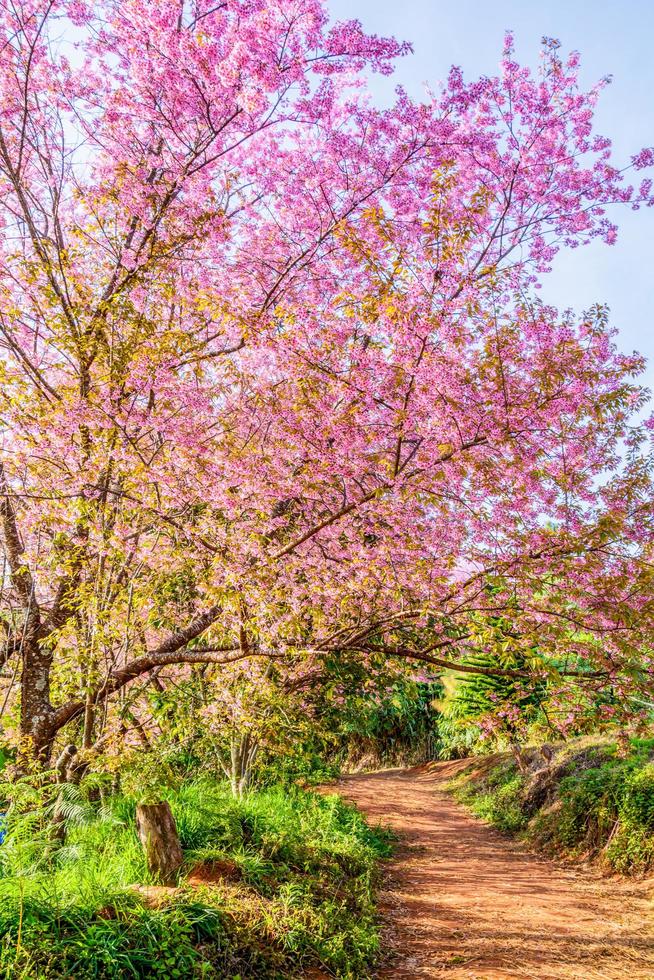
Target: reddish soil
462,901
213,872
207,873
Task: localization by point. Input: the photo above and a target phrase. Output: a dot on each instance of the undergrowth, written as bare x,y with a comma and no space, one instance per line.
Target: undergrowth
497,799
299,891
589,802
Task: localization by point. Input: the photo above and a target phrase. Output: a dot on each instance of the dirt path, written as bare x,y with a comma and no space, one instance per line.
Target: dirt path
462,901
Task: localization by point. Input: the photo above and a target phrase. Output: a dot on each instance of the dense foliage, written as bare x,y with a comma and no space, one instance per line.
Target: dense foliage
271,884
479,712
594,800
276,384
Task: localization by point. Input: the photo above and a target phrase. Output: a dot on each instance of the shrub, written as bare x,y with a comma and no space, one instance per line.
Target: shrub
637,806
592,802
497,799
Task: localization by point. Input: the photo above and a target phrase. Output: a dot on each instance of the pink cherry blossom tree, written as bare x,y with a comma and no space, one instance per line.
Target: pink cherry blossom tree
275,381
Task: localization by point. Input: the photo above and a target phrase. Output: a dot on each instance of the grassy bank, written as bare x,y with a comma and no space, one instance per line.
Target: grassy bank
273,883
588,802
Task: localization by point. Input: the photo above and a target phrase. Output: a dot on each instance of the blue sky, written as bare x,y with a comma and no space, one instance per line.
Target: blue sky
614,38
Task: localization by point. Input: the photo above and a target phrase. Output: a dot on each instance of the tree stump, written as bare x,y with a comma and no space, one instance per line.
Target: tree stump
157,832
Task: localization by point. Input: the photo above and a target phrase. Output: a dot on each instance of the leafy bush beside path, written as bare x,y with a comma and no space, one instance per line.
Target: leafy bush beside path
588,802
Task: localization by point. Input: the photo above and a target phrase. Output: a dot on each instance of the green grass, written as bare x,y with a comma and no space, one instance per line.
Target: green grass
303,889
499,801
589,803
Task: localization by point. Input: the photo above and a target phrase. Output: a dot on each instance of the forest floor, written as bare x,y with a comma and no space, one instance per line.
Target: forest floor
461,900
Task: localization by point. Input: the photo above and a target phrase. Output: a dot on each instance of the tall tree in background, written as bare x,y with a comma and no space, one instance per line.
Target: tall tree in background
274,382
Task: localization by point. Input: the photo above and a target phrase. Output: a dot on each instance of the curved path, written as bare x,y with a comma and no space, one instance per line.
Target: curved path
462,901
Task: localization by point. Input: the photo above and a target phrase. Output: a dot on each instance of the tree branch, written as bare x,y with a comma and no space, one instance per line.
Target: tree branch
122,676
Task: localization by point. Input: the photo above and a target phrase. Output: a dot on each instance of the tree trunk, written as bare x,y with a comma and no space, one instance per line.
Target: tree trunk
35,708
89,721
158,835
521,760
61,767
243,754
27,640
